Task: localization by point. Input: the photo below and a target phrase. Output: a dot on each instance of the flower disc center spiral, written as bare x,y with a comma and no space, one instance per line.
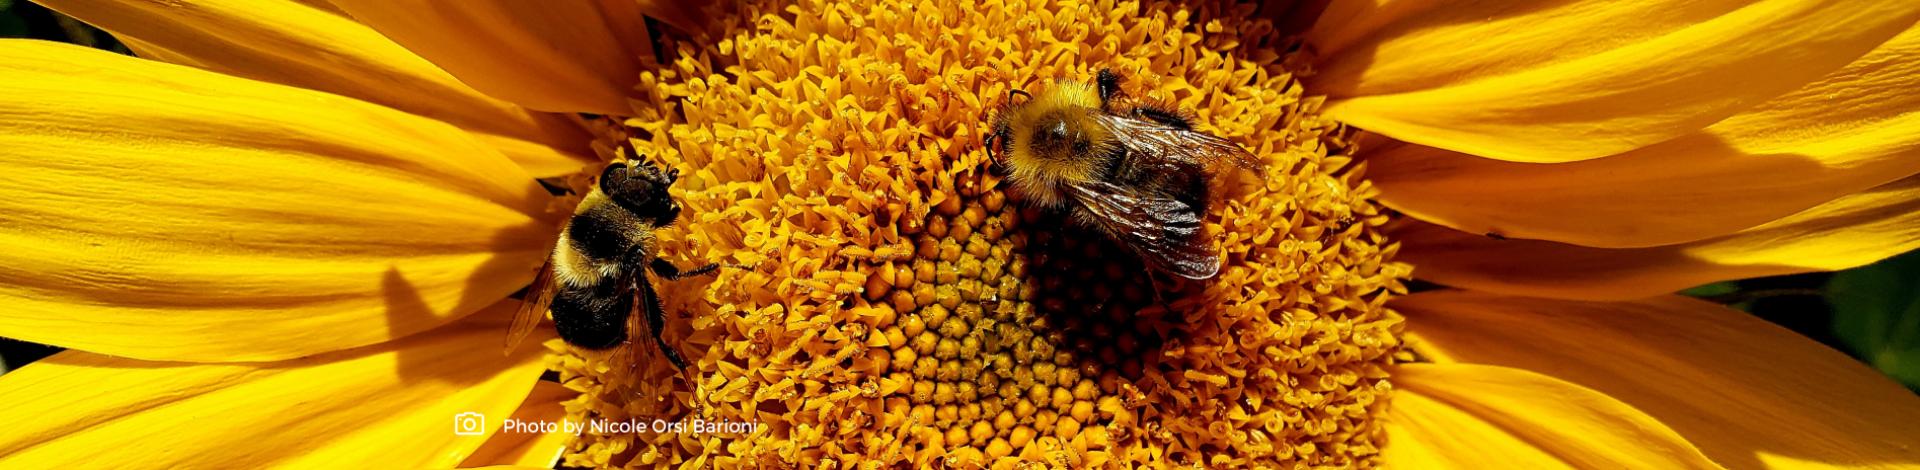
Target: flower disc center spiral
901,308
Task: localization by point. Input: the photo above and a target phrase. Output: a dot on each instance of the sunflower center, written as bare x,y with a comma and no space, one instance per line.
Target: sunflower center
902,308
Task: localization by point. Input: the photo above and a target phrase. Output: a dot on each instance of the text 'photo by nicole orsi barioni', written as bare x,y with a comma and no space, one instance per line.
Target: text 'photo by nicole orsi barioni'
1007,234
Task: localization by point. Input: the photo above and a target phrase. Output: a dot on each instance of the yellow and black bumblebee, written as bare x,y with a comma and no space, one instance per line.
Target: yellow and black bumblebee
1134,169
599,270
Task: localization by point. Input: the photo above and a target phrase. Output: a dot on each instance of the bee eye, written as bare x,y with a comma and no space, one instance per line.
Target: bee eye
612,177
613,169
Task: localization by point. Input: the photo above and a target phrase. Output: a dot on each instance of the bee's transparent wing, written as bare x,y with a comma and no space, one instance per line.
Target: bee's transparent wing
1165,232
1186,149
532,308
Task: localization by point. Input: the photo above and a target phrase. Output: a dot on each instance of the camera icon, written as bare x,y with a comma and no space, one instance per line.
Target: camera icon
469,424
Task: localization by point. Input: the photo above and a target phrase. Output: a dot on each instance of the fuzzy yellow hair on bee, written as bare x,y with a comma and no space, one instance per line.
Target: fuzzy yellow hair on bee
1134,169
1055,137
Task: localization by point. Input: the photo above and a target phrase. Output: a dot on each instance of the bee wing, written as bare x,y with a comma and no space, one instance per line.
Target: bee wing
1186,148
628,352
1165,232
532,308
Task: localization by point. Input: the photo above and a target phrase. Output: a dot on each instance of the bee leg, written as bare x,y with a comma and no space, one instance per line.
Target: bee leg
1153,285
1163,114
1109,84
673,273
995,165
657,320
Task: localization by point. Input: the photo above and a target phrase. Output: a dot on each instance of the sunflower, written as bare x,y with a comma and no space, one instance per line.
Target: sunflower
289,235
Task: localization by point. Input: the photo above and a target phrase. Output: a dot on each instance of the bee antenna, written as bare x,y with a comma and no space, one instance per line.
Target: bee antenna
1017,91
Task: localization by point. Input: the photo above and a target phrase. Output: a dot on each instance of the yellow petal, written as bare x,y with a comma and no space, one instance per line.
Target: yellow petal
144,50
160,212
551,56
1530,82
1798,150
390,405
529,446
1472,416
683,14
1746,392
308,47
323,5
1854,230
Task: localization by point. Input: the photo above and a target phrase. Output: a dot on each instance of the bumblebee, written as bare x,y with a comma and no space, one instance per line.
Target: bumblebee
1134,169
598,272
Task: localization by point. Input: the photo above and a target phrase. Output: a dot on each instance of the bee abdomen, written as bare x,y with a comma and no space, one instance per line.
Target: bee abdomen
592,317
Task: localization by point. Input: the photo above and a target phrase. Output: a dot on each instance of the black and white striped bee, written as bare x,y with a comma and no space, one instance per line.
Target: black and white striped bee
599,271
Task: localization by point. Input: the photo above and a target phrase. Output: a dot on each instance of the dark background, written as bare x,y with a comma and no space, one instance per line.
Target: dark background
1872,312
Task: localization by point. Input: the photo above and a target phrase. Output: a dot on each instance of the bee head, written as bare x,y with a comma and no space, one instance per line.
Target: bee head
1054,137
642,189
1057,126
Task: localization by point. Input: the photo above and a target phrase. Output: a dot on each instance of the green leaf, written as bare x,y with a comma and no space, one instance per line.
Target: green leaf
11,26
1727,293
1876,313
1709,290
